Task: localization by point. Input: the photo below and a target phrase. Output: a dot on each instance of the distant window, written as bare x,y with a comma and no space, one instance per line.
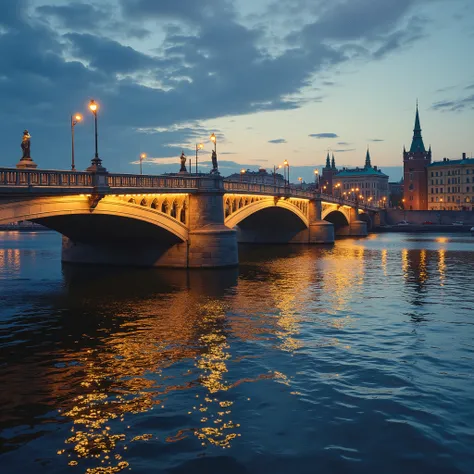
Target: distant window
436,181
432,199
432,190
436,199
467,180
467,171
467,189
432,174
441,173
436,173
436,190
410,187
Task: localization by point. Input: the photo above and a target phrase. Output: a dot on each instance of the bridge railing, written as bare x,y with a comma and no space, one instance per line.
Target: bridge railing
237,186
15,177
150,181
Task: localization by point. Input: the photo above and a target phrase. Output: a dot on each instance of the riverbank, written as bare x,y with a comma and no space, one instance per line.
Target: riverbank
445,229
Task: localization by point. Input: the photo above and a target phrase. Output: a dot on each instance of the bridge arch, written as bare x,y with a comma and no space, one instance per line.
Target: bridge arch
237,216
54,211
337,218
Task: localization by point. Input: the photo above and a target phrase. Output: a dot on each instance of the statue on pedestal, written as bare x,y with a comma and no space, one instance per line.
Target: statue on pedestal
215,169
26,160
183,163
25,144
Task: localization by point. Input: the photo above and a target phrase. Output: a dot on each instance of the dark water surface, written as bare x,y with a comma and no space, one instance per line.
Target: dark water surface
356,358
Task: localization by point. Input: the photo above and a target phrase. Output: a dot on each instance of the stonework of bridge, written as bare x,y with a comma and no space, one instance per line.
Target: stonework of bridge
171,220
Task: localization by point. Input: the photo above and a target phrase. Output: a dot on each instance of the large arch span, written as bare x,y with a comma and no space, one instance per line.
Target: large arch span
115,218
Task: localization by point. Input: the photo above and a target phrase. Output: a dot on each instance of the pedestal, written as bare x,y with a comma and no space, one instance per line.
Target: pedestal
26,163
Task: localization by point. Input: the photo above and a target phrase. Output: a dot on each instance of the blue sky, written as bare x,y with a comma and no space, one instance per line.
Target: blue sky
275,80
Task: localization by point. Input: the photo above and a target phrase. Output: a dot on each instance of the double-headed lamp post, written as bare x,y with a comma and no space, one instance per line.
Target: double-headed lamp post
142,158
75,119
199,146
94,107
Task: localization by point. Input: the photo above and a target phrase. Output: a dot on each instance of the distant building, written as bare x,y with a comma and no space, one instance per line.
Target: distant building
395,194
258,177
415,169
327,176
450,184
371,182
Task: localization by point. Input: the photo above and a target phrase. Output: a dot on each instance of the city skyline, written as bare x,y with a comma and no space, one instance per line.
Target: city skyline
274,81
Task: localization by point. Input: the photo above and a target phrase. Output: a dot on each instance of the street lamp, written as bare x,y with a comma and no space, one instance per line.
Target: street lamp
142,157
275,168
94,107
75,119
199,146
316,180
300,179
287,165
214,140
242,172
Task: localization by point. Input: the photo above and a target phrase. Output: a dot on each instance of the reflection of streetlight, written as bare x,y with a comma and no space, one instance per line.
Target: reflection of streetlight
142,157
199,146
94,107
242,172
74,121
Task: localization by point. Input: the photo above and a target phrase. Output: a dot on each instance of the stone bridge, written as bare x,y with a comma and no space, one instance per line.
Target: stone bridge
171,220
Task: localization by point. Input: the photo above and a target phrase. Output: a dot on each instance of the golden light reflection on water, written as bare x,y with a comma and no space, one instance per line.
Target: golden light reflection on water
442,265
383,256
10,261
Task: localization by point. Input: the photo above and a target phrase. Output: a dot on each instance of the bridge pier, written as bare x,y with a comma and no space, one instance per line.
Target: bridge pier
319,231
356,227
211,243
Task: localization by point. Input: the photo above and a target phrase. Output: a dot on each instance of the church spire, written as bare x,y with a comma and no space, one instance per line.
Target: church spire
368,164
417,144
333,162
328,161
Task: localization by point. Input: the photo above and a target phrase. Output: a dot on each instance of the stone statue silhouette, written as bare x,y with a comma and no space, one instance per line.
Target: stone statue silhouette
183,163
214,163
25,144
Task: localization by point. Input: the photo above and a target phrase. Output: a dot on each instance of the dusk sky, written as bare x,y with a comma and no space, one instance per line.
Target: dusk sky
274,79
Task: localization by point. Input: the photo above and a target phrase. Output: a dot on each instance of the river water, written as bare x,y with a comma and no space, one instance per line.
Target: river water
356,358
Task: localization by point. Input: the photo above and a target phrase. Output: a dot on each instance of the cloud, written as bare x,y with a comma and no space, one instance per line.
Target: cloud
376,140
323,135
202,60
344,150
343,143
455,105
277,141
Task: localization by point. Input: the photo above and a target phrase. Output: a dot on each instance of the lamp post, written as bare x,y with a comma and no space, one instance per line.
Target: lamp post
242,172
275,168
75,119
316,180
142,157
214,140
300,179
199,146
94,107
287,165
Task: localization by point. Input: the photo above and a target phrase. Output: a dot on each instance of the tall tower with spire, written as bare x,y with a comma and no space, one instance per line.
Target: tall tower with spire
415,170
329,171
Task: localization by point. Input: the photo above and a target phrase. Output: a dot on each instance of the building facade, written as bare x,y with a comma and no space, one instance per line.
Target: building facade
371,183
415,170
258,177
451,184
